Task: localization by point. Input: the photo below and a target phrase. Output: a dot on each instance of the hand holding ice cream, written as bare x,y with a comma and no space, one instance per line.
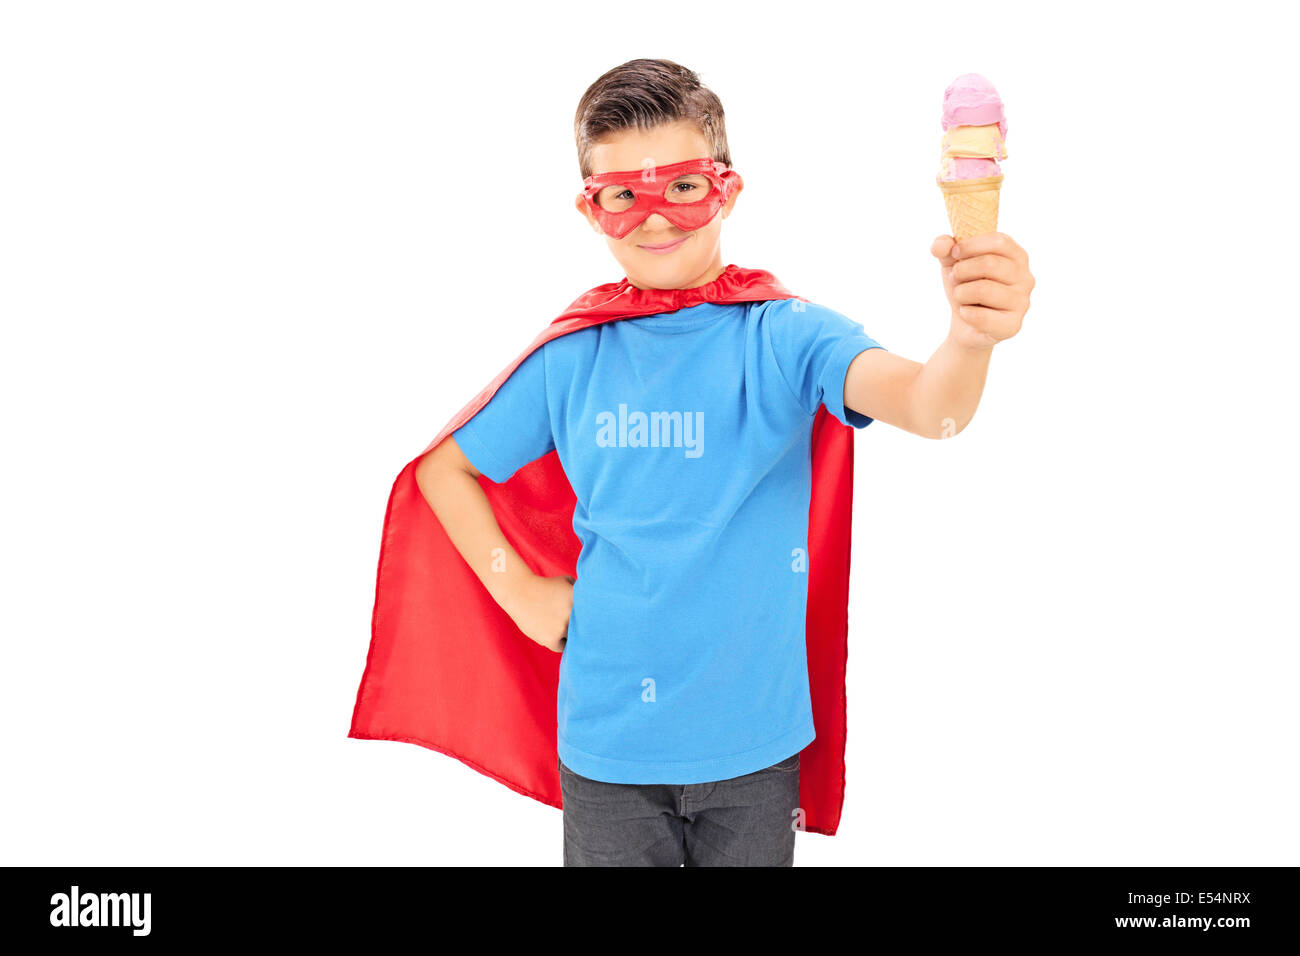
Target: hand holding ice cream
985,273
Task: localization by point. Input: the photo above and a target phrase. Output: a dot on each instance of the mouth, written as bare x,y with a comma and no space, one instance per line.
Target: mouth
664,248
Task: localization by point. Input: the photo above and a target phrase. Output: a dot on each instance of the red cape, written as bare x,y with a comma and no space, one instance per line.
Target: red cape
449,670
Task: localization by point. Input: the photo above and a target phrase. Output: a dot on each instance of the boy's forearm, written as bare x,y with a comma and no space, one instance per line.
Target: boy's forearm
466,514
946,391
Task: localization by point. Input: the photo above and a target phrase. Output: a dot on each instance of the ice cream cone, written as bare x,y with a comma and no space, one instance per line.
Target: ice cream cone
972,205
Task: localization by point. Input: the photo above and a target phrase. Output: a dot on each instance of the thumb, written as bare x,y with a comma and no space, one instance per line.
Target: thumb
941,249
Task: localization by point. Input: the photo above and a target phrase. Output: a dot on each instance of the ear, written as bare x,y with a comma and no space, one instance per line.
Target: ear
580,201
731,200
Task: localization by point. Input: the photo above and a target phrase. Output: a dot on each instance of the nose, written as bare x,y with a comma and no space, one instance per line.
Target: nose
655,222
656,230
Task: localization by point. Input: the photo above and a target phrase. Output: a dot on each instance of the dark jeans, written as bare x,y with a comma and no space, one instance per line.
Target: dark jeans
744,821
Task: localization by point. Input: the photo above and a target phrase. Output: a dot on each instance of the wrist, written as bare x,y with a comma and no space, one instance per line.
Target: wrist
514,590
968,340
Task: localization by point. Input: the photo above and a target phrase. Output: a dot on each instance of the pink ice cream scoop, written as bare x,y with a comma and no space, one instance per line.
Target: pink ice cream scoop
975,130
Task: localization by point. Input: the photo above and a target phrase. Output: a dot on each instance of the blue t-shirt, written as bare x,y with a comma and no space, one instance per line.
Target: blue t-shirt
687,439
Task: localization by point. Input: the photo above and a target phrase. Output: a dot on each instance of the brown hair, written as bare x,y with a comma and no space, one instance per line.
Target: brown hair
642,94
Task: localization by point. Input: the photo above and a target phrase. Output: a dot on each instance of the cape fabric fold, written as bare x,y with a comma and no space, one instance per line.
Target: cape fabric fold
449,670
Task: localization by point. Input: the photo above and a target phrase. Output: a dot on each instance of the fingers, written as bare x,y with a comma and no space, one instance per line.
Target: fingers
998,243
941,249
988,293
989,266
991,283
994,323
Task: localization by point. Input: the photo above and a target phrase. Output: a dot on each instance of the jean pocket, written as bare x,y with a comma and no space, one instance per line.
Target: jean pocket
788,765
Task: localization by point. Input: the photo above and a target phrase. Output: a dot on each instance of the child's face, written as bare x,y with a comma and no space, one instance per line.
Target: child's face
697,257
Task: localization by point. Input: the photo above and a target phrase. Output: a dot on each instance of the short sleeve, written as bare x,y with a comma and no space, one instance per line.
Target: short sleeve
514,427
813,347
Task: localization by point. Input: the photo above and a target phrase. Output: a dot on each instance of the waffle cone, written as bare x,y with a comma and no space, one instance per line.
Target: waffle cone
972,205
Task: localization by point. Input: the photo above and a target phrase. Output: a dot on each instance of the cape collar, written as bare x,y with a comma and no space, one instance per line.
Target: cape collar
734,284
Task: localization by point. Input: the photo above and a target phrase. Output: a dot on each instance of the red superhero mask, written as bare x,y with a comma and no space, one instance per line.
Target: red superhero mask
688,194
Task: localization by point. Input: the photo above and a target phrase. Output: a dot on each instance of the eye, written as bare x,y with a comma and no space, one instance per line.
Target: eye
688,189
616,198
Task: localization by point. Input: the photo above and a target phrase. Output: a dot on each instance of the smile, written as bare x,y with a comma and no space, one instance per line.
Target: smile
666,247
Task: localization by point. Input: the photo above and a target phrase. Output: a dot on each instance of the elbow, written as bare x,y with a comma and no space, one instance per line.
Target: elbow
945,428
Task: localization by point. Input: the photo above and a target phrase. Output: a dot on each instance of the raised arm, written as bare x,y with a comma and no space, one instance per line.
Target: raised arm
987,281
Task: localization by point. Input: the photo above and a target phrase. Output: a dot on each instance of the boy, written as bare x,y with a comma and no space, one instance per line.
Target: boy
683,695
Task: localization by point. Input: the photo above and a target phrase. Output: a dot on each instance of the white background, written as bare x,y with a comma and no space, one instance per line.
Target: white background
255,255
